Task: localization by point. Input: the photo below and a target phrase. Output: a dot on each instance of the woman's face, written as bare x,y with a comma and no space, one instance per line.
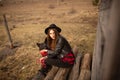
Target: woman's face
52,34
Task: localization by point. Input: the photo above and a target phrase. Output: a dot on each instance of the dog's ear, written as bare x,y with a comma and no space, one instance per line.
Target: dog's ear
38,44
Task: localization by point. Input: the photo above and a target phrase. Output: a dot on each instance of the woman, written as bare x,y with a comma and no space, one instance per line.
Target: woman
59,52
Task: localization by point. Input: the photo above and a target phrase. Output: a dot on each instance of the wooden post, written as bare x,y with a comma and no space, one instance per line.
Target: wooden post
7,30
107,43
110,67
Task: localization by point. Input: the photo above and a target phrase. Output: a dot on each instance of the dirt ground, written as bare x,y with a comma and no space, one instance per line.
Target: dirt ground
27,20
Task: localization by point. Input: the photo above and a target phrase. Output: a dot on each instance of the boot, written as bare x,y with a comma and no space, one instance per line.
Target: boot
42,73
39,76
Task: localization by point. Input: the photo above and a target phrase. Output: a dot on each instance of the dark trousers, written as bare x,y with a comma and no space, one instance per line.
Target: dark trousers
57,62
54,62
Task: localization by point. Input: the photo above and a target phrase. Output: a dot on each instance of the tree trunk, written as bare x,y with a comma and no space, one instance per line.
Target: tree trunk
100,39
110,69
106,64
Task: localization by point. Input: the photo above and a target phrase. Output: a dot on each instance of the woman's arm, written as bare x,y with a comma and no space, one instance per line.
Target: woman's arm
58,48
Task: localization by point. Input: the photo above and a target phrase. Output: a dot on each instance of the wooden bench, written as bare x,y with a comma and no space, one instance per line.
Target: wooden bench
80,71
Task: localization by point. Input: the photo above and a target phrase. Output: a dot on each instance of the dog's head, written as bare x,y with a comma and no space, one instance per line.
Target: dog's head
41,46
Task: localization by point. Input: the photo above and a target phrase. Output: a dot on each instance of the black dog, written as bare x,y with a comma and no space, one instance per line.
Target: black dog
41,46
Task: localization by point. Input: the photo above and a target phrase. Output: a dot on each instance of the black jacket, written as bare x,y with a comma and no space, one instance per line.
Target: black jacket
62,48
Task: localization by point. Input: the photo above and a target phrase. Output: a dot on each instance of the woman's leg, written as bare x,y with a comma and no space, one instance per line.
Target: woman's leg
46,69
57,62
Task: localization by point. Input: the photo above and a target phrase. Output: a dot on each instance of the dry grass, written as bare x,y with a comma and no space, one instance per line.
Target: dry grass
78,27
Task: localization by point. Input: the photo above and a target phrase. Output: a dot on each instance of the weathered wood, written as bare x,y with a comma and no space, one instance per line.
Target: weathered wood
62,74
75,50
8,32
104,34
85,73
110,64
52,73
86,62
76,68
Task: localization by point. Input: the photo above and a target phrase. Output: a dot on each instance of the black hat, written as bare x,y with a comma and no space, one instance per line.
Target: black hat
52,26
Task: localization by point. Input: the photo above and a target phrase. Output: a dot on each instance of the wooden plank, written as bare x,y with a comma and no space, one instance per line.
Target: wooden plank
52,73
75,50
85,73
76,68
86,62
62,74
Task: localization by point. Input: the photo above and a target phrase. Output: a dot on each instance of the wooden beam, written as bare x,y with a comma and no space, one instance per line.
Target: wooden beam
8,32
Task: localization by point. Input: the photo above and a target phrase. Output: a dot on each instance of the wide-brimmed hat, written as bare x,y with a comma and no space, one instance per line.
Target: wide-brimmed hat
52,26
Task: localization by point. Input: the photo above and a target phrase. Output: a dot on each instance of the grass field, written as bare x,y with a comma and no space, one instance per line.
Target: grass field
27,21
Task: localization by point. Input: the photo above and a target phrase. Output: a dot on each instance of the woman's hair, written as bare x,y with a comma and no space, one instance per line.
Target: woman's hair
52,42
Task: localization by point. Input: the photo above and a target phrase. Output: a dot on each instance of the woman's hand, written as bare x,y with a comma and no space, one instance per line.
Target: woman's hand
43,58
43,52
40,60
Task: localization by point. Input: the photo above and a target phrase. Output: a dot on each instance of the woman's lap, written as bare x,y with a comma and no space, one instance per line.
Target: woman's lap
57,62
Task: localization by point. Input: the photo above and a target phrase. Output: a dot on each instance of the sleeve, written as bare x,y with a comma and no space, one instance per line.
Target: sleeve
45,41
58,48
